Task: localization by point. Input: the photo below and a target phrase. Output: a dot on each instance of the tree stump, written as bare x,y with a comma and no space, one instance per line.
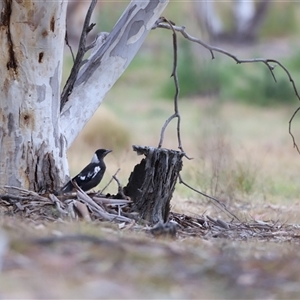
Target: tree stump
152,182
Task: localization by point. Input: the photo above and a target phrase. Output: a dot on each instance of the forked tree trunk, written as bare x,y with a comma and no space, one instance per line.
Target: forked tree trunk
152,182
107,63
32,151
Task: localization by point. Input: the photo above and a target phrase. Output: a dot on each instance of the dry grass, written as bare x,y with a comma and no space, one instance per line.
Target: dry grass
106,131
239,152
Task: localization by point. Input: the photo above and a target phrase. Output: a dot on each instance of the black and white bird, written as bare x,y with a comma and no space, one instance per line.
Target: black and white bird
91,175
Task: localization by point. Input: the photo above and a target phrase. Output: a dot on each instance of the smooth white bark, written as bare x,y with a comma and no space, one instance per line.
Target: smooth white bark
103,69
32,152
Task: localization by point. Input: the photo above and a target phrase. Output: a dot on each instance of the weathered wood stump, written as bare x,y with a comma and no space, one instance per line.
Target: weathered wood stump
152,182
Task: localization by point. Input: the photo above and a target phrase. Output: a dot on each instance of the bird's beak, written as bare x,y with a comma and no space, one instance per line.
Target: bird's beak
106,152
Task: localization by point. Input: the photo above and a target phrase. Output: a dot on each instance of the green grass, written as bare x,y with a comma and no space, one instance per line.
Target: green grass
195,77
249,83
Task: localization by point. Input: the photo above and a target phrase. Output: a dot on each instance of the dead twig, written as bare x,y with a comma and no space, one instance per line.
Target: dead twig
110,181
120,187
81,210
290,129
59,205
82,49
67,43
177,90
112,201
96,208
12,198
270,63
24,194
216,201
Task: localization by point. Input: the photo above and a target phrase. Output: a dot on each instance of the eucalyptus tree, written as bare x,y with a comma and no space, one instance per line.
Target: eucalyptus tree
38,123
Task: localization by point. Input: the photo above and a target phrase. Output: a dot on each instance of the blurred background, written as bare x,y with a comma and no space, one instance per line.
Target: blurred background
234,117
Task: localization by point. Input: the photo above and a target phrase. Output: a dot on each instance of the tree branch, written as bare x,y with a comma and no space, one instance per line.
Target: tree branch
82,49
177,90
68,44
107,64
162,23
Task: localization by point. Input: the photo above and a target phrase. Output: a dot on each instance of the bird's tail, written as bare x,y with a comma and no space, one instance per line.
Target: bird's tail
65,189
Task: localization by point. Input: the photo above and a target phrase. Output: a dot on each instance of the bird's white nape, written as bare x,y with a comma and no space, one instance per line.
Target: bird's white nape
95,159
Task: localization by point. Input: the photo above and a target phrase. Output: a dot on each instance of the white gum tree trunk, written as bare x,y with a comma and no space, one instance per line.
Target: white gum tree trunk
34,134
32,152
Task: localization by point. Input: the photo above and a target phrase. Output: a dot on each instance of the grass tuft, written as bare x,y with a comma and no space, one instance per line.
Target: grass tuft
104,130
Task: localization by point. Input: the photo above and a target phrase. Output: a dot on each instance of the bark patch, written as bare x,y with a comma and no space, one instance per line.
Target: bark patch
35,17
5,21
27,120
151,6
52,24
11,124
41,92
41,55
42,170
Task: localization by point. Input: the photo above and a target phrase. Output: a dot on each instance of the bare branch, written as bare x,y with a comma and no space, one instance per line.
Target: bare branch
177,90
120,187
110,181
163,23
290,129
69,46
82,49
217,202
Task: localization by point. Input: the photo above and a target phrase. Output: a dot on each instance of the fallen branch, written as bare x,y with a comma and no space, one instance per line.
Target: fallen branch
112,201
96,208
216,201
59,205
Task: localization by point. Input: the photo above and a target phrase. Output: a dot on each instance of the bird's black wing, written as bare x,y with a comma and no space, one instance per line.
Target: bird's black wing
88,178
87,174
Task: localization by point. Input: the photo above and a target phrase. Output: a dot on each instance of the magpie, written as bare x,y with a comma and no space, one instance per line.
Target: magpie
91,175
